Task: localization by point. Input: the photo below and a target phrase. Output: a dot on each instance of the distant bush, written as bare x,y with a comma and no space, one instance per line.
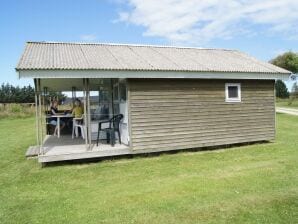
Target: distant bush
16,108
281,90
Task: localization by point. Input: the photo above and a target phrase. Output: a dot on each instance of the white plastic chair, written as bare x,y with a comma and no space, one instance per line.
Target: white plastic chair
76,124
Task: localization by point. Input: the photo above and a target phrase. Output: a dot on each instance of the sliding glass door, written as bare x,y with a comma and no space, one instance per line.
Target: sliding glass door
107,99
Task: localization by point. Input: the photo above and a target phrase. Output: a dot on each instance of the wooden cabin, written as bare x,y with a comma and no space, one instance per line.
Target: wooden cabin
171,98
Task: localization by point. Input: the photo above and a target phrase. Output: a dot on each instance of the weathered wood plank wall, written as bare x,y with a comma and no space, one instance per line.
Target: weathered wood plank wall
176,114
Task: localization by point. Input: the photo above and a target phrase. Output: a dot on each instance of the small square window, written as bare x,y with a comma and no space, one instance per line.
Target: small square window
233,92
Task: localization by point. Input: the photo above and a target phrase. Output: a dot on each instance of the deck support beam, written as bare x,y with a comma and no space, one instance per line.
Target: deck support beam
36,113
88,114
40,117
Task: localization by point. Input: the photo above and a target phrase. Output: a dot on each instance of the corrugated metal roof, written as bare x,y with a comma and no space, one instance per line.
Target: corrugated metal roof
84,56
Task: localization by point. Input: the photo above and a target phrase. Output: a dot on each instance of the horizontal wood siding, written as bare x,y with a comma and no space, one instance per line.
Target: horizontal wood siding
174,114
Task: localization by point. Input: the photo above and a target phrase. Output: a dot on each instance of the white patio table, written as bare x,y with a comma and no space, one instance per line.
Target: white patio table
59,116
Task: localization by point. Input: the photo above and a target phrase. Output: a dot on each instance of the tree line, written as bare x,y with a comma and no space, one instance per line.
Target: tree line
16,94
25,94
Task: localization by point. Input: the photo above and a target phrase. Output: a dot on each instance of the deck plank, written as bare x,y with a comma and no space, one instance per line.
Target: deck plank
66,148
32,151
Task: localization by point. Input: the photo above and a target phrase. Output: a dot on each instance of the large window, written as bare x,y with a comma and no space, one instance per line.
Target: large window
233,92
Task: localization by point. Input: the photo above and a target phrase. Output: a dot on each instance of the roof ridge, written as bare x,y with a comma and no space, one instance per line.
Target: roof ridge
126,44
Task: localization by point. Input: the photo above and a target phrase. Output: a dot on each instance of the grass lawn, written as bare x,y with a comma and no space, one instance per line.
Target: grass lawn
250,184
285,103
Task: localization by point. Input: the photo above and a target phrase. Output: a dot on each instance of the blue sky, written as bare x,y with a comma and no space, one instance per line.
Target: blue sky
262,30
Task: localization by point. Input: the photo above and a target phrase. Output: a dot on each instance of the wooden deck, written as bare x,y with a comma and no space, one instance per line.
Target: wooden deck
32,152
66,148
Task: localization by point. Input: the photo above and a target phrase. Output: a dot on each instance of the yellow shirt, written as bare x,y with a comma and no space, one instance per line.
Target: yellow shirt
77,111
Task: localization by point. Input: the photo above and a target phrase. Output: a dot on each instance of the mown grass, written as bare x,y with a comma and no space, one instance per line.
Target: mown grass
288,103
250,184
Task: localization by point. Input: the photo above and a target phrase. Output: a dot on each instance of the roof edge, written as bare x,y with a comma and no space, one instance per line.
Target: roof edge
142,70
148,74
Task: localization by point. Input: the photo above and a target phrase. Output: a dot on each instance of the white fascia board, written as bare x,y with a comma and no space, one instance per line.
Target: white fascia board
147,74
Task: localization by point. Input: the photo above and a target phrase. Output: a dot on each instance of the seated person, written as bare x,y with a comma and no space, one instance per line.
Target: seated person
53,120
78,109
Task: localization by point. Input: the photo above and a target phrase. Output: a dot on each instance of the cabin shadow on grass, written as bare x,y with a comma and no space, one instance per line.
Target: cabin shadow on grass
151,154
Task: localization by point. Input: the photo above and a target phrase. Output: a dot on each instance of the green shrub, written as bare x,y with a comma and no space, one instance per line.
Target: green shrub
16,108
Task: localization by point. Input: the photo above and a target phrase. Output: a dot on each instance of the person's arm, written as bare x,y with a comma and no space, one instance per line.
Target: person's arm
73,112
53,111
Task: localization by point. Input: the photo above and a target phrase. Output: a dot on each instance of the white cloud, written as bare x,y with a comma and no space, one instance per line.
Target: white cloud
88,37
199,21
